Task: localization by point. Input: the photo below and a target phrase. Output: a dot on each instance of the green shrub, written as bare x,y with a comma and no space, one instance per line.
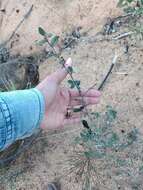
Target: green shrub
100,150
132,6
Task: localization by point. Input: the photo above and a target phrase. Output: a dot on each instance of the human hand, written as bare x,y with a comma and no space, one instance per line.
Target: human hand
58,100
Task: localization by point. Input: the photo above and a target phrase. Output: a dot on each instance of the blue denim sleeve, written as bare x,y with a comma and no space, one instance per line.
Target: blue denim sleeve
21,112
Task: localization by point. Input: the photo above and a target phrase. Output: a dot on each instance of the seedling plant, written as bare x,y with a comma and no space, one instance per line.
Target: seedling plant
99,148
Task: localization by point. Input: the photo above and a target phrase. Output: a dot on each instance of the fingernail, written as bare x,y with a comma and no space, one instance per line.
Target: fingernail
68,63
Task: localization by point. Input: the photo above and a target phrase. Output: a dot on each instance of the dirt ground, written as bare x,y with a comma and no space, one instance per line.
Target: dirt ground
92,57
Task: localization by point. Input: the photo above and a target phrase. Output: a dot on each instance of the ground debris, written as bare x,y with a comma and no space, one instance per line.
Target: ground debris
71,39
18,74
4,54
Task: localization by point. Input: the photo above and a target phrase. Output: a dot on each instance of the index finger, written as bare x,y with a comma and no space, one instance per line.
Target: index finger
61,74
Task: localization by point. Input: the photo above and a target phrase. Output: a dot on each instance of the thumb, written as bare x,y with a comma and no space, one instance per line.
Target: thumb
61,74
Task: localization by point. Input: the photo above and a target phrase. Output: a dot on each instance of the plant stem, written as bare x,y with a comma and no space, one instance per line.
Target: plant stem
85,111
107,75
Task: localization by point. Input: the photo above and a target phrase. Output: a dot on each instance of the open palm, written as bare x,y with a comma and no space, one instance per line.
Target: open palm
58,100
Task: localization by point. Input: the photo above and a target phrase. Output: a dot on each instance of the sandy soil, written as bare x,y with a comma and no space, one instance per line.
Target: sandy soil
44,162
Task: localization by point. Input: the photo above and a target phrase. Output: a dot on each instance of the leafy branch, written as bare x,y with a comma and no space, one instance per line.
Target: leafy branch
52,41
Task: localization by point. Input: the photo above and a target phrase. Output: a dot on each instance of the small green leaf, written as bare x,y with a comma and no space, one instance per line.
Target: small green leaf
96,114
85,136
132,136
77,82
111,114
74,84
120,3
113,140
129,9
54,41
70,70
41,31
41,42
70,82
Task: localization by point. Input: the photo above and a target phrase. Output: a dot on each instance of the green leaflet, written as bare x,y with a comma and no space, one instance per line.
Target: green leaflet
111,114
74,84
70,70
42,31
124,2
85,136
41,42
113,140
132,136
96,114
54,41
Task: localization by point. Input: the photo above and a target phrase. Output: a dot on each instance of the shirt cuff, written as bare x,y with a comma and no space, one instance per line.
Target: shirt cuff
26,110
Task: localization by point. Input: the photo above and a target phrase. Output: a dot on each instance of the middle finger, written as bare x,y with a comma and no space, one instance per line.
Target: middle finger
86,101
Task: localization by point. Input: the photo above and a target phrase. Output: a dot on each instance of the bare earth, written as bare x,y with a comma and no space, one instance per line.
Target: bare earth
44,162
